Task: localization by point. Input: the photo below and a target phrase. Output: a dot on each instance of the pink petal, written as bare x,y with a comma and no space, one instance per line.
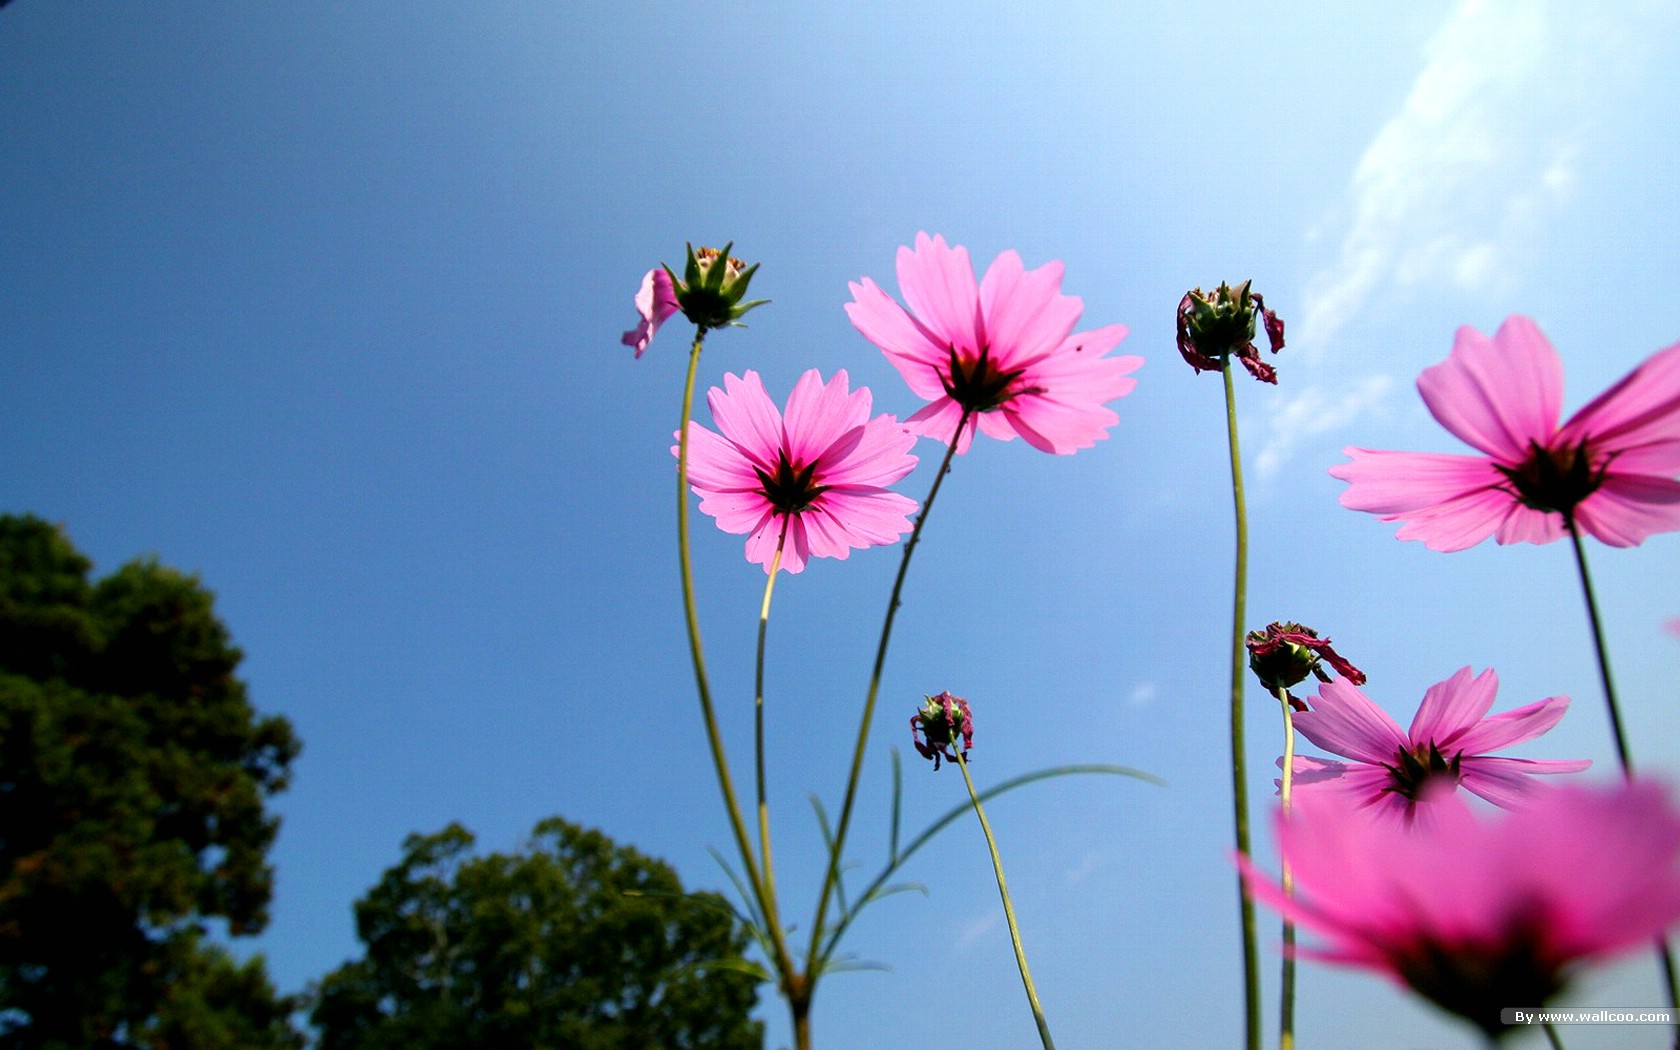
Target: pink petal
1064,410
880,456
1628,508
1026,316
1512,727
1452,707
820,415
1345,722
937,283
1642,408
938,420
1497,395
917,353
1449,502
655,301
1507,782
745,414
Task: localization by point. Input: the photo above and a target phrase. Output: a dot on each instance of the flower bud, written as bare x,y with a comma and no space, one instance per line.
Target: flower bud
1214,325
712,286
1284,654
937,726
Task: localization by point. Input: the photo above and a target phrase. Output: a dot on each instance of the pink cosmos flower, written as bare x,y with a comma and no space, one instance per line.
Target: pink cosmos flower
1447,745
1479,915
656,301
1004,352
1611,468
817,472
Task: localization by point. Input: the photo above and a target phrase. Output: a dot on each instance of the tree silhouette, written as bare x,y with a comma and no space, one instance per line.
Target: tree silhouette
133,778
573,943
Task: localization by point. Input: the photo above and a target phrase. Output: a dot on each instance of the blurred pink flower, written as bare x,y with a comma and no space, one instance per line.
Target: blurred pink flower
1004,350
1447,745
1612,466
821,469
656,301
1478,915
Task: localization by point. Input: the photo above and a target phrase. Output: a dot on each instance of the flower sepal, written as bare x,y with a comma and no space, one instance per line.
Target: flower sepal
713,283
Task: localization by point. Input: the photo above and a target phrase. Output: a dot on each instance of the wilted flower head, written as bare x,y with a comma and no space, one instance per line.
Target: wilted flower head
655,302
1477,915
1394,770
708,294
1610,469
937,726
1214,325
1001,355
1284,654
812,480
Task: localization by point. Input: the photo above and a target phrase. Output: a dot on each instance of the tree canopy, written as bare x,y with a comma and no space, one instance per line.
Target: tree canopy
134,775
572,943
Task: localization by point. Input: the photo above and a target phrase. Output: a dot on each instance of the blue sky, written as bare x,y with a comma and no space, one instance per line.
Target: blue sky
322,302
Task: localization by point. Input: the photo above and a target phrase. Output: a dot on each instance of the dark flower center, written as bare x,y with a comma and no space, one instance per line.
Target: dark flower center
790,490
977,384
1555,480
1412,770
1477,981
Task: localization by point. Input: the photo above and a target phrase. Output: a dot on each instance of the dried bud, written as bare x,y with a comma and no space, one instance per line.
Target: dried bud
1214,325
936,728
1284,654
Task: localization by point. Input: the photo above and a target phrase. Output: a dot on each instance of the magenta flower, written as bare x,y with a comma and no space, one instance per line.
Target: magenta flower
1610,469
1479,915
812,480
656,301
1447,745
1002,355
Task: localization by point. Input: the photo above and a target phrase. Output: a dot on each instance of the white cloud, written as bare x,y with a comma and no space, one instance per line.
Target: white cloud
1142,695
1088,866
1457,184
1313,411
971,931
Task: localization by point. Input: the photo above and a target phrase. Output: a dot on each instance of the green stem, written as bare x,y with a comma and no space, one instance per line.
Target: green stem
1598,645
1239,770
1552,1035
1008,908
768,867
1286,1008
832,878
1665,956
783,961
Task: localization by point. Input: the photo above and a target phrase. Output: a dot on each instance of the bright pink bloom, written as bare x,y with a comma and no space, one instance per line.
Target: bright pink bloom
656,301
1447,745
1612,466
1004,351
820,470
1478,915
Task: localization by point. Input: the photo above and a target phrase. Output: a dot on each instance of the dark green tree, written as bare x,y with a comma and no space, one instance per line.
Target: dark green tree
573,943
133,780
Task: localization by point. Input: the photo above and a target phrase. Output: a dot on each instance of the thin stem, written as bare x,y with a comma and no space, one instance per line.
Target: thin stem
769,868
1598,644
1286,1008
1665,956
1552,1035
832,879
1008,909
791,979
1239,769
